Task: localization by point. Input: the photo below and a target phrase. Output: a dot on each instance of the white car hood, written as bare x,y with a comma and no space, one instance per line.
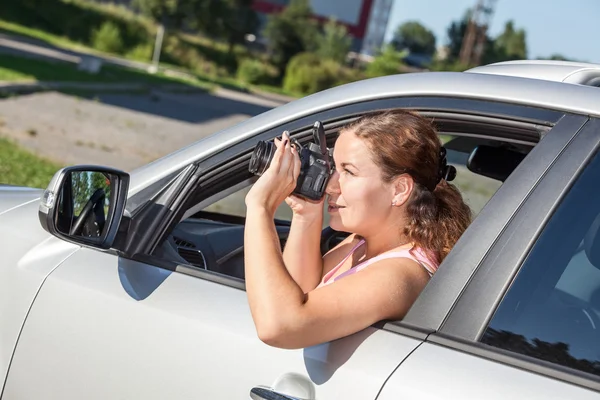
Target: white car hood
12,197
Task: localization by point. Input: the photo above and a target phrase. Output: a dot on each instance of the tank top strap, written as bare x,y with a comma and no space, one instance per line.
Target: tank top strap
334,269
415,254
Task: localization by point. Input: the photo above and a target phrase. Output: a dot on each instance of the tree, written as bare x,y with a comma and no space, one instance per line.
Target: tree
170,13
414,37
456,33
291,32
334,43
510,44
239,19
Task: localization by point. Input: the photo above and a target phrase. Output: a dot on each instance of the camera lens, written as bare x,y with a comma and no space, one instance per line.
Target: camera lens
261,157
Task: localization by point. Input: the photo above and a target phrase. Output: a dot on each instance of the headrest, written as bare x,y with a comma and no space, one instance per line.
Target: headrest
591,243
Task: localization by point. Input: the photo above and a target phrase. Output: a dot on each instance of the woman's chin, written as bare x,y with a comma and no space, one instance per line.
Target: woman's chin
335,222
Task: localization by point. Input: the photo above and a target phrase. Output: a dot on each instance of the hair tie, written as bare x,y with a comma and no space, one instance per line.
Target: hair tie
445,171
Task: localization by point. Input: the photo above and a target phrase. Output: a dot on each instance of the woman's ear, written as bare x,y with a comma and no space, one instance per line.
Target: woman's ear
402,186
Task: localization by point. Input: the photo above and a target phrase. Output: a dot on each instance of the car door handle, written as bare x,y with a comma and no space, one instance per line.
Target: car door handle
264,393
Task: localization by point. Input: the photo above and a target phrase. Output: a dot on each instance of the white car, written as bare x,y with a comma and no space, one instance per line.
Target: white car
131,287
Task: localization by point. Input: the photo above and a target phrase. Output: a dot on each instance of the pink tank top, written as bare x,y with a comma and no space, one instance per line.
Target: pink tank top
416,254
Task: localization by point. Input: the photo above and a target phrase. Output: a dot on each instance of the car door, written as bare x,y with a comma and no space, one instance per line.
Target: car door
105,326
527,325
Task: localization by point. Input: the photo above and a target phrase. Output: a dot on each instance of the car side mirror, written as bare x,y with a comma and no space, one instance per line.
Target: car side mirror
85,204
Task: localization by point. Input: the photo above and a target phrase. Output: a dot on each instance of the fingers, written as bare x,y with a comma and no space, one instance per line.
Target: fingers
283,158
296,164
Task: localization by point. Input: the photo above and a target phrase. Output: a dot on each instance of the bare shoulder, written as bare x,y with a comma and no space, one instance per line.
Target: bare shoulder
337,254
385,290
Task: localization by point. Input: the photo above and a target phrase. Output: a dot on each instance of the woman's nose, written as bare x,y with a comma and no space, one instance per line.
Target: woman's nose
333,186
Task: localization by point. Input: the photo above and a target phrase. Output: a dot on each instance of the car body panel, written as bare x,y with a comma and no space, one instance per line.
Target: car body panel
514,90
134,322
434,372
29,255
14,196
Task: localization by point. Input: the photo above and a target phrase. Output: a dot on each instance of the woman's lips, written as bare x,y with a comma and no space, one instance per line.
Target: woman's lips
333,208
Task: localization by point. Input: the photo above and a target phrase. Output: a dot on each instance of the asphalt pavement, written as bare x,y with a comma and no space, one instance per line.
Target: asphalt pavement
113,124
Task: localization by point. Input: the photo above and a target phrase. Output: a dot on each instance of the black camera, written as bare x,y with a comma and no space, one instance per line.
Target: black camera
316,165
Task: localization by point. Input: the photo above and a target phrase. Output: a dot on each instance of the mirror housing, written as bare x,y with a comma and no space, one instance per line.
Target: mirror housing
494,162
84,204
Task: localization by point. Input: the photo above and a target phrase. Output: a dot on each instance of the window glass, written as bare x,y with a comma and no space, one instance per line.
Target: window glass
552,309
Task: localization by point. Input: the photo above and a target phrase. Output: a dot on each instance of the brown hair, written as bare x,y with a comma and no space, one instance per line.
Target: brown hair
404,142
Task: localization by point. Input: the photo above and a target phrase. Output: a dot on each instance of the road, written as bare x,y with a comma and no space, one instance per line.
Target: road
120,130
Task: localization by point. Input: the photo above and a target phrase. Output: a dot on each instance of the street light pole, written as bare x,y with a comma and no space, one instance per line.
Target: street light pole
157,48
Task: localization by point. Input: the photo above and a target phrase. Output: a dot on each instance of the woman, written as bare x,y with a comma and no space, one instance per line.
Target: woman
388,191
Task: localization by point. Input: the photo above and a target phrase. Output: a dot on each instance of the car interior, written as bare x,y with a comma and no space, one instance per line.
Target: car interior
210,236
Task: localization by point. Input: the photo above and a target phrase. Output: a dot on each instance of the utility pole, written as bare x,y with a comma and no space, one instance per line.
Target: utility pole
473,43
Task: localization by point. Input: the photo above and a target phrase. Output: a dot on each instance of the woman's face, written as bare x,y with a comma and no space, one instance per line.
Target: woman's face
359,201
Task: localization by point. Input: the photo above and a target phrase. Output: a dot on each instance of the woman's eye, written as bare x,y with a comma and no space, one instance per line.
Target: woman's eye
346,170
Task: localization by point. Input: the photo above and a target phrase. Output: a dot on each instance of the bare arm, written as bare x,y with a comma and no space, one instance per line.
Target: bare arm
286,317
302,253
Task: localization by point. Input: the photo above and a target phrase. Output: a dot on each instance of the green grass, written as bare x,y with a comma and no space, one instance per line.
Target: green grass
202,45
22,168
22,69
12,28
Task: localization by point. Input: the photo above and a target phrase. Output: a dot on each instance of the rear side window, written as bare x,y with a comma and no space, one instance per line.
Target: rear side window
552,309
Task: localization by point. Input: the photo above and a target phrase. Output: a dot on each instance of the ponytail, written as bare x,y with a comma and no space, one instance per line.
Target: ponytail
437,219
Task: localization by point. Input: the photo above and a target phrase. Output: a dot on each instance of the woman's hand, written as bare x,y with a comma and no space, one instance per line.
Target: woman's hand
305,209
278,181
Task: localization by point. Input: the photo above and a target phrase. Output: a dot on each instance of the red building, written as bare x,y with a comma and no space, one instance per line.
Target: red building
354,14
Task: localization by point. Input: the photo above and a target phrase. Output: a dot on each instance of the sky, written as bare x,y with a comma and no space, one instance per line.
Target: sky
567,27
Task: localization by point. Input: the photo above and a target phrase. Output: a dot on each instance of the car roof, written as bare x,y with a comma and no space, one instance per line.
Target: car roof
481,83
557,71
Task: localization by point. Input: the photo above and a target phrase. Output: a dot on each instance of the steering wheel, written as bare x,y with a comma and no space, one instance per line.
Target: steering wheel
331,238
95,202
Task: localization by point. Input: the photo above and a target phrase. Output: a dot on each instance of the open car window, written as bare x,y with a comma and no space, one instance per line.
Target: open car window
210,235
476,189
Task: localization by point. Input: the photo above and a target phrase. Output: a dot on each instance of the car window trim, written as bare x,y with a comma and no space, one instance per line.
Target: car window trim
479,300
471,250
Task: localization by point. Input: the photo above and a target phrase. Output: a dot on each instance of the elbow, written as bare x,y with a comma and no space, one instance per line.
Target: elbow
276,335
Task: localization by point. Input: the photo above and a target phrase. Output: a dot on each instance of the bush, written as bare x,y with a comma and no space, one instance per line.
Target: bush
108,38
307,73
388,62
141,52
256,72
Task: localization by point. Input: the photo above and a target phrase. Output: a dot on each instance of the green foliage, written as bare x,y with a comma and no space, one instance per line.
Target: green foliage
256,72
510,44
108,38
335,42
415,38
230,20
388,62
141,52
170,13
308,73
22,168
291,32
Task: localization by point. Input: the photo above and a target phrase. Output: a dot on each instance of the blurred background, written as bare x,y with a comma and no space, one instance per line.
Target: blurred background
122,83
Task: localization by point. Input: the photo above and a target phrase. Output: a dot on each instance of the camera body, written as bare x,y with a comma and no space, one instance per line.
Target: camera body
316,164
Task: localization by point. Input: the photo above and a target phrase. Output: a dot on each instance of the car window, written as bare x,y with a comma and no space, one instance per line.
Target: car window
552,309
476,190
